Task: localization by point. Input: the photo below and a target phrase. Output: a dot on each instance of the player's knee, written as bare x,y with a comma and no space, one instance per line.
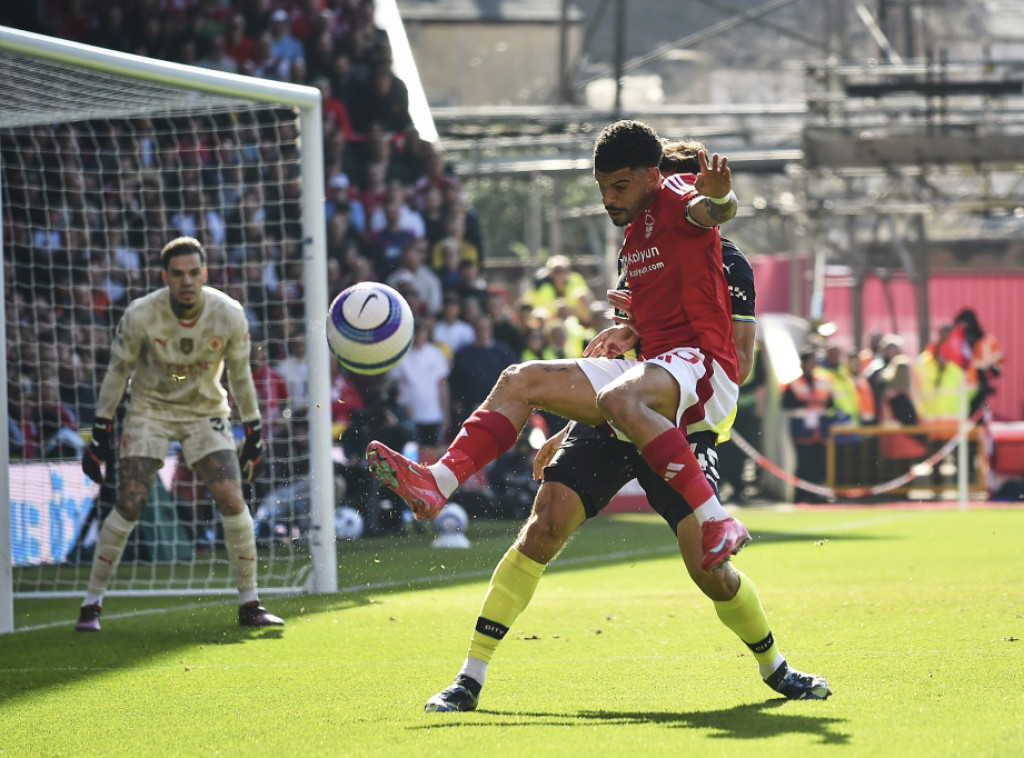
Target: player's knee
612,402
515,380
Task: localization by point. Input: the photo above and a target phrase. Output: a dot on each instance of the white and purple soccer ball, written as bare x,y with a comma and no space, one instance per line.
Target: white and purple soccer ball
451,524
369,328
348,523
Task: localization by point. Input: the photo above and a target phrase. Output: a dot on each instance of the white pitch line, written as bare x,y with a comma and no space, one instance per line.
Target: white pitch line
581,560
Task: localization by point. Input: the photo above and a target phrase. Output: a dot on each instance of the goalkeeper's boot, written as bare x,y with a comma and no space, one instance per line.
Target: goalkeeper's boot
721,539
412,481
796,685
89,618
462,695
254,614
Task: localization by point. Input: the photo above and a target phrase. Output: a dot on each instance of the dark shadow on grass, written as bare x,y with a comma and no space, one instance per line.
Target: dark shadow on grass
744,722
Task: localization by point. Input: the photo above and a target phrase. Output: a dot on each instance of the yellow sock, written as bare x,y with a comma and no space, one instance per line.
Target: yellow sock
512,586
745,616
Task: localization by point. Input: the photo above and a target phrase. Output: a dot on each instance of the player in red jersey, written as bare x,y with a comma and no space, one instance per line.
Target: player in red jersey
680,302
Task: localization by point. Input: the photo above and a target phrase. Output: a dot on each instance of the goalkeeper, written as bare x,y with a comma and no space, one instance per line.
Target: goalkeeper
173,345
583,467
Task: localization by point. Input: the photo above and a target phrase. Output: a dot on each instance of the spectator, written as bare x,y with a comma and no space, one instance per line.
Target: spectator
295,371
558,282
477,368
384,99
809,398
505,327
56,425
937,382
422,382
385,247
981,355
455,229
335,113
844,388
426,282
213,55
448,272
898,408
537,347
239,44
432,211
451,332
271,388
889,346
284,46
345,400
410,220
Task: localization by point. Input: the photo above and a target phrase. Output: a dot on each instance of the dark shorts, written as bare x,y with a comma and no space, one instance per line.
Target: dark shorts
596,465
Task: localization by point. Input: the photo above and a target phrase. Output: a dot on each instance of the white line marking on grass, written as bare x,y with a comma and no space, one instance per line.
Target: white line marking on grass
577,561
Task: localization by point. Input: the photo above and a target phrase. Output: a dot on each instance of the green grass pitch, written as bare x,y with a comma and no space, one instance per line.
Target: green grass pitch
915,616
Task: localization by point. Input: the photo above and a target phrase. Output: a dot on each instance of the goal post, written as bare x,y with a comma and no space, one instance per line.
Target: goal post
104,155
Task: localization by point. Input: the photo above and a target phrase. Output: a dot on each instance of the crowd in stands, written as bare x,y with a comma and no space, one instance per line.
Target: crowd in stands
882,385
90,208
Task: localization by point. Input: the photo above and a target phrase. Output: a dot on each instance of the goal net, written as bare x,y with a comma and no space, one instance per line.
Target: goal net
105,157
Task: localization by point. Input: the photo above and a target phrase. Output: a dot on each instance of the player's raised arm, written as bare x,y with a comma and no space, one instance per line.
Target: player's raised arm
717,203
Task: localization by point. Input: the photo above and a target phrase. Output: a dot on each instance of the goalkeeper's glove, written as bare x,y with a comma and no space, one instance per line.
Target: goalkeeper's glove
251,453
99,451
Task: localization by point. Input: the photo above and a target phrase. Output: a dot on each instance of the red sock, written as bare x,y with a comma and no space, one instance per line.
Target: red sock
484,436
669,454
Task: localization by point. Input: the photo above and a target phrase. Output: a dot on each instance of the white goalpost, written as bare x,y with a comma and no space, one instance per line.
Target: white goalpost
105,156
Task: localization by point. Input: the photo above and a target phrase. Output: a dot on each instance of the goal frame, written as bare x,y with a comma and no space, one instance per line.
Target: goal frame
306,101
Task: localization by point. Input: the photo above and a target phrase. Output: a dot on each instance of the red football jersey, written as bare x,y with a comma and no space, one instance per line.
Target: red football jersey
674,270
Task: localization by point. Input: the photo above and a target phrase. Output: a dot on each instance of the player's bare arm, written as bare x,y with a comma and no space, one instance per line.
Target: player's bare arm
137,475
743,333
717,202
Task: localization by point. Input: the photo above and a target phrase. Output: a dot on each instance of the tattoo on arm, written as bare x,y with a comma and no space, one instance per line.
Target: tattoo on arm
721,213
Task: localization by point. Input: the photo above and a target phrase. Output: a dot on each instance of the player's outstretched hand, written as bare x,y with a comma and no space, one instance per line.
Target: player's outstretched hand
715,177
99,451
250,456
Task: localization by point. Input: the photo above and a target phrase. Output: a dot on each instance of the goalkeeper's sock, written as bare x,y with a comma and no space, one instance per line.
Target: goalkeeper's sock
745,616
512,586
241,545
109,546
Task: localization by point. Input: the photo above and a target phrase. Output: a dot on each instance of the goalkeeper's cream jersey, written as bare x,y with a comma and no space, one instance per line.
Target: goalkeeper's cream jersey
175,366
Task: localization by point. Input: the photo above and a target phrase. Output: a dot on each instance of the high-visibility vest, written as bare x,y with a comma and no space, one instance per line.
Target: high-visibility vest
938,389
808,419
845,394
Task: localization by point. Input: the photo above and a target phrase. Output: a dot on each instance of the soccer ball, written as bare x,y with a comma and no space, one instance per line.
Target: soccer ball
369,328
348,523
451,524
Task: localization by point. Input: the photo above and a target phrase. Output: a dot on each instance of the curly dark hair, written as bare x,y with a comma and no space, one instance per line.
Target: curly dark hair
626,144
680,157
